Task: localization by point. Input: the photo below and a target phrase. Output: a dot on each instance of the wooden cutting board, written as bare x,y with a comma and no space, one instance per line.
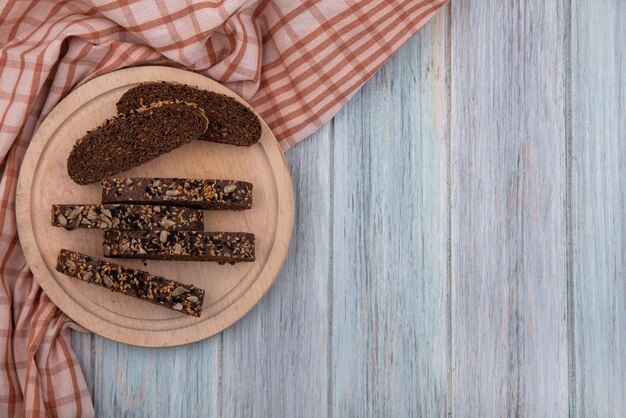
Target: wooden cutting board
231,291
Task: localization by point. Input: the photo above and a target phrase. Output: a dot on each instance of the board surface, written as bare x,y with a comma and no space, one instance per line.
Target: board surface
231,291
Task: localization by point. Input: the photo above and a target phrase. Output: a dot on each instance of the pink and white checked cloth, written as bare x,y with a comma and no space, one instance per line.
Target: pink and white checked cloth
296,62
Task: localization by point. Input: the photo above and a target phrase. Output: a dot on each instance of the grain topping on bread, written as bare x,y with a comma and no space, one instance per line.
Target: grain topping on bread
223,247
142,285
126,217
211,194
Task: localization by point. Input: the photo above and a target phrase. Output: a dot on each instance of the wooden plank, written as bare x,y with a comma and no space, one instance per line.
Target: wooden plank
275,359
389,331
509,304
157,382
82,344
598,193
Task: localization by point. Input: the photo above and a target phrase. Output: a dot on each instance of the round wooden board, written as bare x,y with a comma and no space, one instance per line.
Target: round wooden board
231,291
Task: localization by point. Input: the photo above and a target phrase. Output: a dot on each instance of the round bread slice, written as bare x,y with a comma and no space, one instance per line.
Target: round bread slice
230,122
130,140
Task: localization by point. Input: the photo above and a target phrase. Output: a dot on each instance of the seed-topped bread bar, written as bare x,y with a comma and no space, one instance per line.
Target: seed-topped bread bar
139,284
230,122
196,193
126,217
127,141
223,247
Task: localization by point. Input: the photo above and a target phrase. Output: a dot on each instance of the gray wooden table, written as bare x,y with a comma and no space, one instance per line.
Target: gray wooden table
460,241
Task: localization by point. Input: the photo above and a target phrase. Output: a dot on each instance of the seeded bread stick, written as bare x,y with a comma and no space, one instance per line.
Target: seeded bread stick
195,193
142,285
126,217
223,247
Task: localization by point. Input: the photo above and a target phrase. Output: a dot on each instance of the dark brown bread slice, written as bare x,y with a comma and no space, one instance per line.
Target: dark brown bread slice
140,284
230,122
196,193
127,141
126,217
223,247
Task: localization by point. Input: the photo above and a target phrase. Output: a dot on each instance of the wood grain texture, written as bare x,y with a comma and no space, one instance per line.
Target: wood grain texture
389,263
275,359
82,343
598,192
165,382
509,304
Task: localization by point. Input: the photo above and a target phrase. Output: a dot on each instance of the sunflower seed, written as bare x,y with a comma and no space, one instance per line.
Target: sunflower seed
156,183
107,281
179,291
140,250
129,182
168,223
230,188
69,263
192,299
163,236
74,213
91,215
124,246
87,276
107,250
178,249
178,307
157,209
106,213
85,221
172,193
62,219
